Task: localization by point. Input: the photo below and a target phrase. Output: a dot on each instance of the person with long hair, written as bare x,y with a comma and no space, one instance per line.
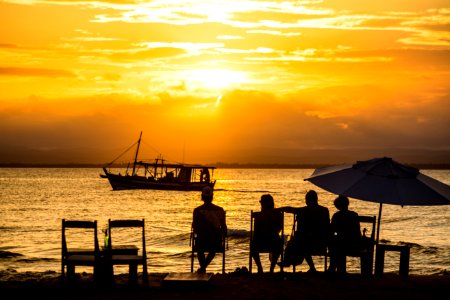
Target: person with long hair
266,237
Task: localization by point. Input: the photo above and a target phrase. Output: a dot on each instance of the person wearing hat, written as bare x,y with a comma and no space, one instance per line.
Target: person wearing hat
209,226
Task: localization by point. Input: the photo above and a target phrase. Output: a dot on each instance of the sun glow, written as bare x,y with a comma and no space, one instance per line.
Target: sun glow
216,78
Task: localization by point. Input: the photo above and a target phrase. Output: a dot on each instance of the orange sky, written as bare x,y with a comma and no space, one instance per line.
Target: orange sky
221,80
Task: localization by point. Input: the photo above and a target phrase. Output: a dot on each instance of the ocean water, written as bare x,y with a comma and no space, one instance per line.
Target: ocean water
34,200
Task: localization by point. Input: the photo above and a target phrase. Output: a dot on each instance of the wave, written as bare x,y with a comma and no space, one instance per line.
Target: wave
238,233
8,254
417,247
8,228
398,219
182,254
36,259
180,237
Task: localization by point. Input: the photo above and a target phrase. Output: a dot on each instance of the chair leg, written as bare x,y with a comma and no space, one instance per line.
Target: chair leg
192,261
145,274
363,262
132,269
95,274
344,264
250,262
366,265
223,262
70,273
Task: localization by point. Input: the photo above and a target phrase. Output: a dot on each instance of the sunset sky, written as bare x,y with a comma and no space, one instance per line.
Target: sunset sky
224,80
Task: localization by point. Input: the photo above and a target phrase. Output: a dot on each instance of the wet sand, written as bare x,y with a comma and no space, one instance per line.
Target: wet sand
47,285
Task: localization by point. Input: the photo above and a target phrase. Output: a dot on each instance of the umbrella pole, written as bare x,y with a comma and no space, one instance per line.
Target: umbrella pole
378,223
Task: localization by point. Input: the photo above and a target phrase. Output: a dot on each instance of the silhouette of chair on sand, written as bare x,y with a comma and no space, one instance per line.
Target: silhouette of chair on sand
315,250
81,233
260,241
211,243
127,255
366,250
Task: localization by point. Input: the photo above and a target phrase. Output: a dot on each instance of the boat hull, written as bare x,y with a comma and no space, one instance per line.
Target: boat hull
119,182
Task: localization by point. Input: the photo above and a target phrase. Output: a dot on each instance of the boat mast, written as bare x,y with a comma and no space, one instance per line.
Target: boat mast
137,151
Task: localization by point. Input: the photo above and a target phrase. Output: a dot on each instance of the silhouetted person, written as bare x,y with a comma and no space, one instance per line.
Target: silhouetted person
312,233
346,234
210,228
266,236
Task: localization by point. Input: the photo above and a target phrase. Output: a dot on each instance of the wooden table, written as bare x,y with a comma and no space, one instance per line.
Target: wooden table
404,258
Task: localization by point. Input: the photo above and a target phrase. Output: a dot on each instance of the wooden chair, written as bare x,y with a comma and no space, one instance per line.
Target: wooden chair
323,252
123,257
365,251
255,248
223,245
72,257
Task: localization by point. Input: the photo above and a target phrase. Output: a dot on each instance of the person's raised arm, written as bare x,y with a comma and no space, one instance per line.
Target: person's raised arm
288,209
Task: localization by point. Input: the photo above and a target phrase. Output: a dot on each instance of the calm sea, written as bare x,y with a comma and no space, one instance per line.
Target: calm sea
33,201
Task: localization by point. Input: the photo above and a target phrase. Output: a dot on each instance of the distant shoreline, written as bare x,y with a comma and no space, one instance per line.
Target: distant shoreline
443,166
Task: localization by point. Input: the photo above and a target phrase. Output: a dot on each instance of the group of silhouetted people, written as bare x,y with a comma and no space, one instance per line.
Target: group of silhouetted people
313,234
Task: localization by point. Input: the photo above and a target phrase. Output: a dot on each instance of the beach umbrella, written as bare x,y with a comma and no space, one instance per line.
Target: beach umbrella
382,180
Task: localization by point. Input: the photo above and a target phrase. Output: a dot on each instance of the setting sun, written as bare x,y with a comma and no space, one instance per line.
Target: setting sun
215,78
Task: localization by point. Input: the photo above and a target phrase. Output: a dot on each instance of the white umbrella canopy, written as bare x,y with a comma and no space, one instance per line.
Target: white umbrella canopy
382,180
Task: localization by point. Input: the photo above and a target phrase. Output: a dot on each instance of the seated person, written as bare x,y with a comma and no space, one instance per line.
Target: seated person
266,236
346,234
311,235
210,228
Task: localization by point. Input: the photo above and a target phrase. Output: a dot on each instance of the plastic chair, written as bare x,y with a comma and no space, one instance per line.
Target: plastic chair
72,257
217,215
254,247
130,256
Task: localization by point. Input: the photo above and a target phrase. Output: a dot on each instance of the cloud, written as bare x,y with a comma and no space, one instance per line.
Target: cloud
12,46
273,32
35,72
139,55
229,37
315,75
347,118
187,46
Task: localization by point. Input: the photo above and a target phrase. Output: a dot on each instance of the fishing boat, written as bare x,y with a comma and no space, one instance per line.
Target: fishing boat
159,174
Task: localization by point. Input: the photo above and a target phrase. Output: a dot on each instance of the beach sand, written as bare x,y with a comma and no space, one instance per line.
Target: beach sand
47,285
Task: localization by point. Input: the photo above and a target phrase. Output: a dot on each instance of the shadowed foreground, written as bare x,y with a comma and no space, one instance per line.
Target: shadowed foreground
230,286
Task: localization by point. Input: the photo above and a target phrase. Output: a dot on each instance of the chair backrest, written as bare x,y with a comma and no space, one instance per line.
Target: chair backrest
320,247
321,238
209,236
209,227
367,241
66,224
367,224
263,241
258,222
127,224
